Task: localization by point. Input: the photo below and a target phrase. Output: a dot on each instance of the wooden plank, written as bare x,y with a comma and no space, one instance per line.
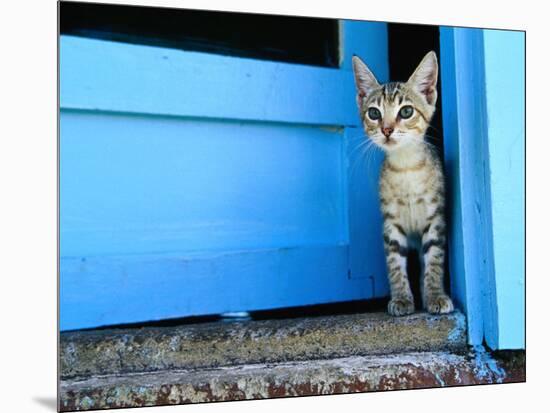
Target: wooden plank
109,76
504,53
130,288
470,249
141,184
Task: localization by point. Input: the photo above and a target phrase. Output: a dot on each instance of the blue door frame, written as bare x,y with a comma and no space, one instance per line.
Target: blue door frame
483,99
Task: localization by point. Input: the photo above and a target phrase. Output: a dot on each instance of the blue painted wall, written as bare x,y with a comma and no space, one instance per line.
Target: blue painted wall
505,89
193,183
139,184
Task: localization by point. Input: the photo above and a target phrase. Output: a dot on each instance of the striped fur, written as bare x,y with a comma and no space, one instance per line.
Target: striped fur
412,191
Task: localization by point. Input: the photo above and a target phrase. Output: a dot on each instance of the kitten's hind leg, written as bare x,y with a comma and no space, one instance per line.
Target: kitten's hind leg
433,251
395,246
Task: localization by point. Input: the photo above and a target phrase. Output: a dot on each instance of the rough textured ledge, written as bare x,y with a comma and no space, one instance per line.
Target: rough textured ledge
223,344
344,375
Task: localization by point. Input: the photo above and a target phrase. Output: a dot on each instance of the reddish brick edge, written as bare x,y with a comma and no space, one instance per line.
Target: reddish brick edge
316,377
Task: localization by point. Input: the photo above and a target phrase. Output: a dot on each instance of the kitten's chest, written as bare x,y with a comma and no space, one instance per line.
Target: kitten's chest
407,197
408,187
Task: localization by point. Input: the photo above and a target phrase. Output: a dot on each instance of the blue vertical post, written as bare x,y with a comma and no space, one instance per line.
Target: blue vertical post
468,210
482,95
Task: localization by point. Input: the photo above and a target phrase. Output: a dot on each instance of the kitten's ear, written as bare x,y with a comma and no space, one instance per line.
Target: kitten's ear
364,79
424,78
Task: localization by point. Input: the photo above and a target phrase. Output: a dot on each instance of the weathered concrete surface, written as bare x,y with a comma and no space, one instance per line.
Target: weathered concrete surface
344,375
223,344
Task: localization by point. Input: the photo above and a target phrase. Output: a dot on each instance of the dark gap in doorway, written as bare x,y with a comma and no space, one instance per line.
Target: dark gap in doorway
408,44
304,40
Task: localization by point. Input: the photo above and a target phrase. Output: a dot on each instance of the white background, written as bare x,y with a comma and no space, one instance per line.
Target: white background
28,288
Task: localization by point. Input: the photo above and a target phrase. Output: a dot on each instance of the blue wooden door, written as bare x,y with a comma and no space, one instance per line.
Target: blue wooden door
195,183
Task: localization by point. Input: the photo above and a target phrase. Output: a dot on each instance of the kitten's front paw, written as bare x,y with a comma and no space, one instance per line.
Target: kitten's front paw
439,304
400,306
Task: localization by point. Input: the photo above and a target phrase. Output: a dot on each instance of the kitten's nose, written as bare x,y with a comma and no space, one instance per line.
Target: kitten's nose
387,132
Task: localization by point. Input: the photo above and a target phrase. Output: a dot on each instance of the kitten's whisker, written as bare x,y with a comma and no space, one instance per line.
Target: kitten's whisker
360,145
357,157
374,169
367,158
356,152
359,160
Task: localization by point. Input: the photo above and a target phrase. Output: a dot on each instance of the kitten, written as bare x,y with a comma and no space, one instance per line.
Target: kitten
395,117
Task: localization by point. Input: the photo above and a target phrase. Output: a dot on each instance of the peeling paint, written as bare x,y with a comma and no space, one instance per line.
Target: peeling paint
486,365
458,331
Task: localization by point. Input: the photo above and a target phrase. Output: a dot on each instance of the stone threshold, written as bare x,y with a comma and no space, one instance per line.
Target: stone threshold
238,360
215,344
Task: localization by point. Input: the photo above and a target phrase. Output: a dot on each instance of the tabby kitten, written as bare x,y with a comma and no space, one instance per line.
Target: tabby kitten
395,117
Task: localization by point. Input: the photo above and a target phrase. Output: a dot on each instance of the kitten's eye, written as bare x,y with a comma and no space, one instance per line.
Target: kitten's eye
406,112
374,113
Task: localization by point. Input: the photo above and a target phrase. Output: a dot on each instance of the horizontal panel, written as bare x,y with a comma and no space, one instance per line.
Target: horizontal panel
141,184
97,291
109,76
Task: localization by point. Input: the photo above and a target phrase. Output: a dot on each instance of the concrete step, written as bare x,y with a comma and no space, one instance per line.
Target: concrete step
216,344
298,378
